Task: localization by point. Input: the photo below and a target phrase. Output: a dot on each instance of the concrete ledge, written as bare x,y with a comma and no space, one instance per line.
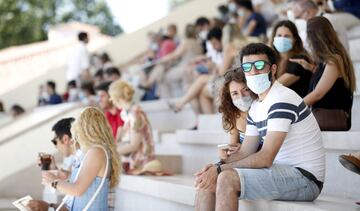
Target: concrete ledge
347,140
179,189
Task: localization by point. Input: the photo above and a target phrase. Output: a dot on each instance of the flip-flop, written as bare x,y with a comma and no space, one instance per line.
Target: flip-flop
350,162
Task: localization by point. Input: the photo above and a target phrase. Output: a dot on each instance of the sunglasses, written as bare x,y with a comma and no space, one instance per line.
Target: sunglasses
259,65
54,141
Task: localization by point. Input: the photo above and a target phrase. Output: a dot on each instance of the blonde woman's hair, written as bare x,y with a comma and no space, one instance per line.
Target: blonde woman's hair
92,129
121,89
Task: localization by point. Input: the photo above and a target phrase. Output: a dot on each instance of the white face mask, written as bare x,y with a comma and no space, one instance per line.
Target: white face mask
290,15
124,115
203,34
258,83
331,5
243,103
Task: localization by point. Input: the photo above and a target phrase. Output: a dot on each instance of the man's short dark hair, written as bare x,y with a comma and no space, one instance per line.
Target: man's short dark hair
88,86
215,33
260,49
103,86
245,3
1,107
51,84
63,127
99,73
72,83
201,21
82,36
112,71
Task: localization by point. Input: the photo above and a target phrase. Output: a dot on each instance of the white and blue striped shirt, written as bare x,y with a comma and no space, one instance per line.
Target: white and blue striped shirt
283,110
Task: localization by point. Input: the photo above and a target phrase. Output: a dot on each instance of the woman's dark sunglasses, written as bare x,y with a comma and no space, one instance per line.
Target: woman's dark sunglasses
259,65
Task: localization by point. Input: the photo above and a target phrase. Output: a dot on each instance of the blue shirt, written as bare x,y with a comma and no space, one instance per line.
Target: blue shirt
54,99
260,28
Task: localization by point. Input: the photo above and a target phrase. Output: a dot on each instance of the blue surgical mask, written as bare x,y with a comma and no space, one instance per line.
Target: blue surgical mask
282,44
258,83
232,7
241,13
243,103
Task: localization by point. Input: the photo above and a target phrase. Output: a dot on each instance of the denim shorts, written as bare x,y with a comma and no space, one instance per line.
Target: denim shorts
279,182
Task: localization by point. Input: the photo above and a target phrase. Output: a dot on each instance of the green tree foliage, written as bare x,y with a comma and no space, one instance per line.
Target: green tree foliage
26,21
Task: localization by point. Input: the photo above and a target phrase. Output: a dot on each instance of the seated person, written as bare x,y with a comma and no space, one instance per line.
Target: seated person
136,142
291,163
333,77
287,42
112,74
16,111
98,171
111,112
235,101
54,98
87,93
72,157
252,23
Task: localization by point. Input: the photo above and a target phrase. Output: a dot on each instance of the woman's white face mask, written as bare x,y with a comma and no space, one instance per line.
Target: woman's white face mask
243,103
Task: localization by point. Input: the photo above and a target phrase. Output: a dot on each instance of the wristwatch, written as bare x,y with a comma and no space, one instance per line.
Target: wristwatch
218,167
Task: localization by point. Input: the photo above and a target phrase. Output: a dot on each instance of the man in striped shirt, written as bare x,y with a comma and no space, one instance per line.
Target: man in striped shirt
291,162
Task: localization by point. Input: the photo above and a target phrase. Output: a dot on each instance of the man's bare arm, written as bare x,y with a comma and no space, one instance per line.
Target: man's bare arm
265,157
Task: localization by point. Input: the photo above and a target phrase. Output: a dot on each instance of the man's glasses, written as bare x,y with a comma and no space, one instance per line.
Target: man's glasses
259,65
54,141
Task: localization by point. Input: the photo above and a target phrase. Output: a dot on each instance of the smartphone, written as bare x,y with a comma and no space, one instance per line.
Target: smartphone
223,146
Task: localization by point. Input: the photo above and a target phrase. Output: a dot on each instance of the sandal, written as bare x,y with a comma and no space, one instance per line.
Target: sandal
173,107
350,162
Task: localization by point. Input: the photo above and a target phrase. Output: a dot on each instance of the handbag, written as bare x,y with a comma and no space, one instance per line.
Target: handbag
332,119
97,190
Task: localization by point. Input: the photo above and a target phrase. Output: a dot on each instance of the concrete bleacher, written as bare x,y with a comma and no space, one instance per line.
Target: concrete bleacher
181,151
177,193
198,148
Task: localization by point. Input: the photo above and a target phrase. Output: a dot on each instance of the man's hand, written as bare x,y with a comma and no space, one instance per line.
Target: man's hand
233,148
52,164
207,180
37,205
197,174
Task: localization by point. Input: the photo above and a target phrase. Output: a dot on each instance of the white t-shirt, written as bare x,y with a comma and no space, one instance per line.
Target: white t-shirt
284,111
216,57
337,24
267,9
79,60
73,160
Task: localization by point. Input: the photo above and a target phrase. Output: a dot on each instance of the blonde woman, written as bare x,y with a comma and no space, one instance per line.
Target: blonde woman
136,140
99,170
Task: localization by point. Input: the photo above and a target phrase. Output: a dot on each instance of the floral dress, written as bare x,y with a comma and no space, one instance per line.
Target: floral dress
137,121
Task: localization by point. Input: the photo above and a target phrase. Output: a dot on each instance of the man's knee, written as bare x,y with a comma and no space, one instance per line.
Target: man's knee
228,179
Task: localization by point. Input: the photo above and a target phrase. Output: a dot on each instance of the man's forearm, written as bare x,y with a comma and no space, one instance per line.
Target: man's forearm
257,160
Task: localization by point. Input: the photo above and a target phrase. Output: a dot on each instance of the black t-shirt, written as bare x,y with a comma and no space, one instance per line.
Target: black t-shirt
301,86
338,97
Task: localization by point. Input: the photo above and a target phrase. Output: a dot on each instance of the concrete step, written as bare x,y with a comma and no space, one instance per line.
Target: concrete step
198,148
6,204
355,117
22,141
163,119
210,122
178,193
170,163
